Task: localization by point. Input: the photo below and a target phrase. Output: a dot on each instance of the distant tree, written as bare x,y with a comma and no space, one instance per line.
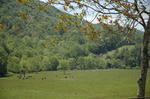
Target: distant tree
76,51
3,63
54,63
72,63
4,52
64,64
13,64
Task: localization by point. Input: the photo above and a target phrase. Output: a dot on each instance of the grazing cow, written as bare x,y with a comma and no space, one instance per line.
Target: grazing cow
65,76
28,77
43,78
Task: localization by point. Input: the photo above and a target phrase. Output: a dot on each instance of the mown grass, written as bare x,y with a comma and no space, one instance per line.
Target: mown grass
92,84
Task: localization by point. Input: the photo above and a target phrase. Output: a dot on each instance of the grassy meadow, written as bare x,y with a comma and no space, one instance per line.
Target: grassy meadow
89,84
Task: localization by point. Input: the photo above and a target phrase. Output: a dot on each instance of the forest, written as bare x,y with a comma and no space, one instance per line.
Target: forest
30,42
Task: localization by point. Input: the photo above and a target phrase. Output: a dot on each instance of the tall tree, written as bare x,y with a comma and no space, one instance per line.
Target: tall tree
4,53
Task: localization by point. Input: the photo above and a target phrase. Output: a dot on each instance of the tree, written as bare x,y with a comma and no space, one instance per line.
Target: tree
54,63
4,52
127,13
3,62
13,64
64,64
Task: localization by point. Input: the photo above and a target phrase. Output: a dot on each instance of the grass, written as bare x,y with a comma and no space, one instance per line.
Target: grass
91,84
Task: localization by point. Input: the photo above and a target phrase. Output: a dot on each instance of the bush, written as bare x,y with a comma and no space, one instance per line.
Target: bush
72,63
14,64
53,63
63,64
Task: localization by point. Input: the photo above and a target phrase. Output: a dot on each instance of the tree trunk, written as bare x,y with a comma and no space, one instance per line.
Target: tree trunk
145,61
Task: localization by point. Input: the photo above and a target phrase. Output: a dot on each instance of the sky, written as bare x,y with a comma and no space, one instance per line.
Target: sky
89,17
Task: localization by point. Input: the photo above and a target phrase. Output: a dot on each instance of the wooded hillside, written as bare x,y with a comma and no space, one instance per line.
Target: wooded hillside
30,42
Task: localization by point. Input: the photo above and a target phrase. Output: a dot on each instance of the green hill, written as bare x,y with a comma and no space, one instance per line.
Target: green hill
28,40
123,57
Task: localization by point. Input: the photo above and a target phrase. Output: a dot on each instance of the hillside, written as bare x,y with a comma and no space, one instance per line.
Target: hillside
123,57
28,41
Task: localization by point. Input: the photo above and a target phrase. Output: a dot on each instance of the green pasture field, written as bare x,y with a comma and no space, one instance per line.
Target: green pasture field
89,84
